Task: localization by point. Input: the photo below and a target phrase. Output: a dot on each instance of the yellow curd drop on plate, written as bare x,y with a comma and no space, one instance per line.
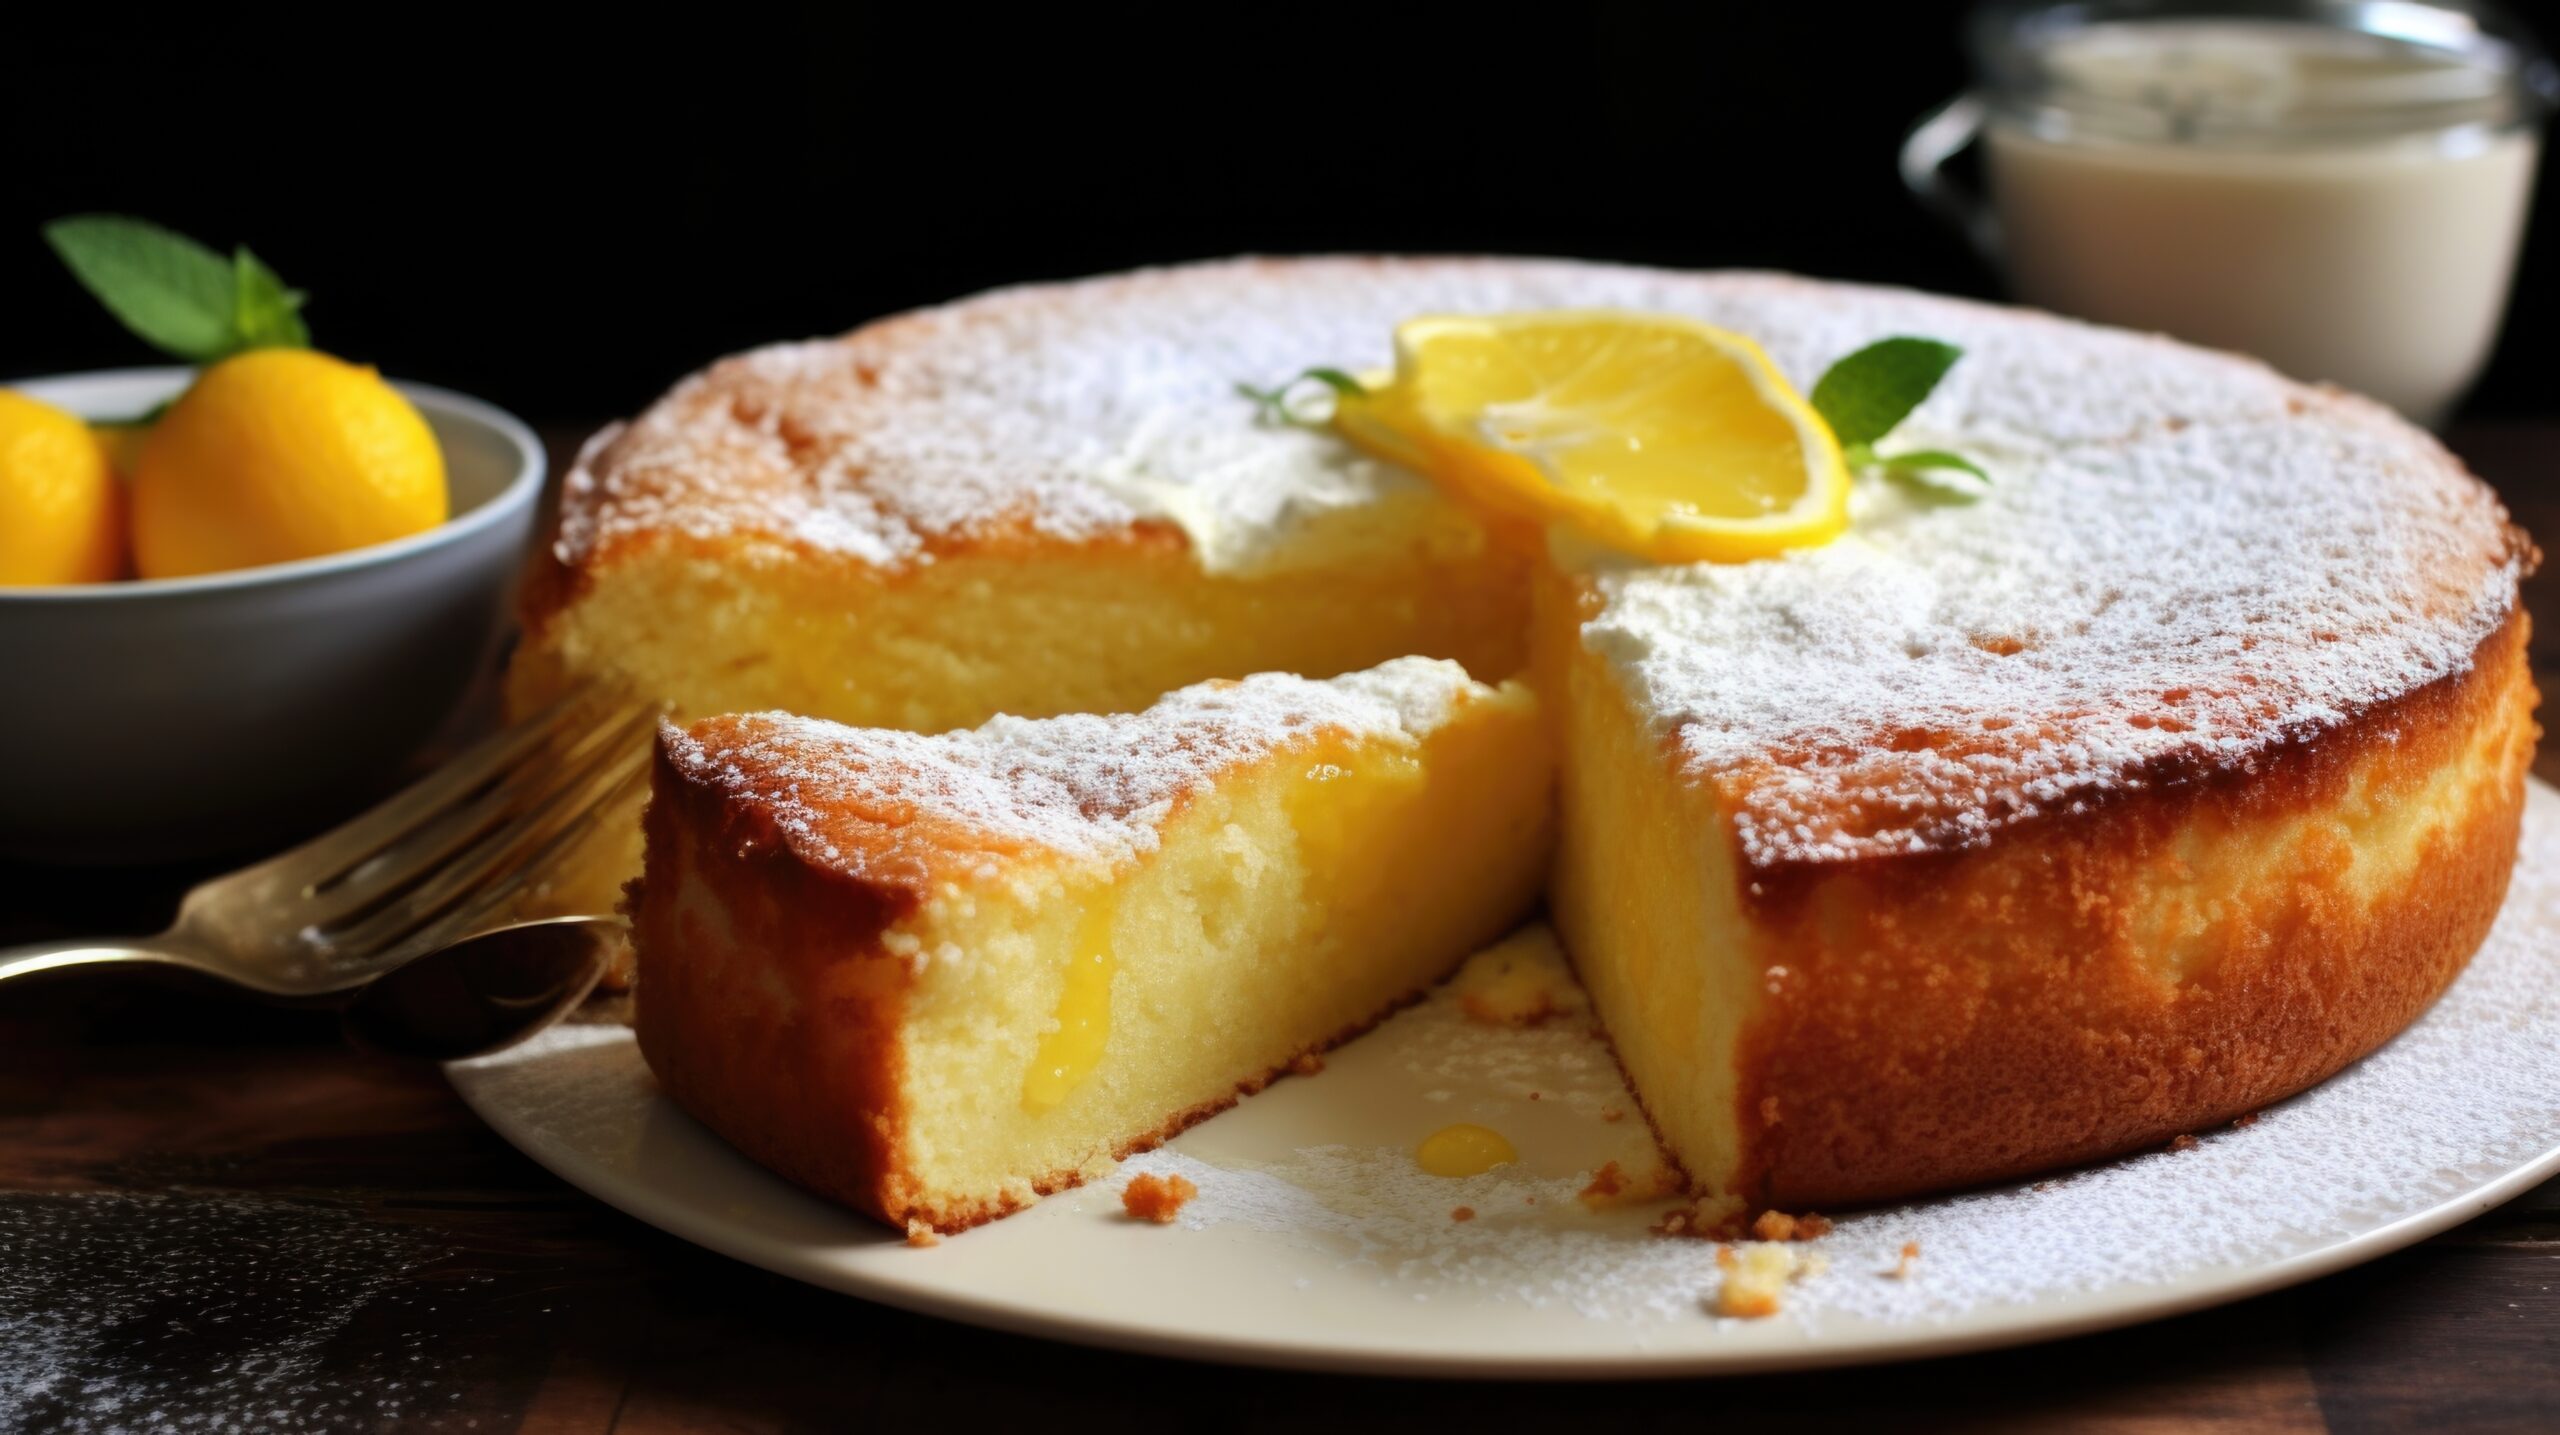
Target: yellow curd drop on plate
1464,1150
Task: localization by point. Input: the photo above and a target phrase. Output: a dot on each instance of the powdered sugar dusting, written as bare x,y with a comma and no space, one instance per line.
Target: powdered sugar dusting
2182,558
1087,785
1030,407
2115,616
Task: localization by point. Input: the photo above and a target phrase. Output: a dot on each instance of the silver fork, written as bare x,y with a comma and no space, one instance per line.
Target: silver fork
438,862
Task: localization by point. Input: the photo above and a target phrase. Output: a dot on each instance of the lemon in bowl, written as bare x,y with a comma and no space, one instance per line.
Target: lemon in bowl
277,455
61,506
210,708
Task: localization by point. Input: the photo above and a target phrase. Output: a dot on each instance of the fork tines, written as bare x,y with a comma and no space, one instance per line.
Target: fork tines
422,868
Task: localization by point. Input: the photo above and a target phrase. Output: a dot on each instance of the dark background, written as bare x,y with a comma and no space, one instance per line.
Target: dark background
566,215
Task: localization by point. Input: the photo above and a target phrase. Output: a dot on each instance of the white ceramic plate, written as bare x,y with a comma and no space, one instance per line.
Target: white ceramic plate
1315,1242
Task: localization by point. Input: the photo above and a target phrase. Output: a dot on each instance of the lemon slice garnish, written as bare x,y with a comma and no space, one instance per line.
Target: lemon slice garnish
1653,434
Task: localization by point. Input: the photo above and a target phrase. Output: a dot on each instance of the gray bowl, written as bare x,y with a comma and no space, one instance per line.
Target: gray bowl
181,717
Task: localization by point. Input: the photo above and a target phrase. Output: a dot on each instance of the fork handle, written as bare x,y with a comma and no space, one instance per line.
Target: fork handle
37,957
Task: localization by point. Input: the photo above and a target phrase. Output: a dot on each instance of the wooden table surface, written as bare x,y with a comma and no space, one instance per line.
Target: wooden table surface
214,1216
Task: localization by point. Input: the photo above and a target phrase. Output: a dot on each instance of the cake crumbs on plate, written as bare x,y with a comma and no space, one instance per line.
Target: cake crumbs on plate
1150,1197
1901,1269
1612,1114
2244,1121
1756,1277
1521,981
1612,1186
1606,1182
2183,1141
1705,1218
1462,1213
921,1235
1781,1226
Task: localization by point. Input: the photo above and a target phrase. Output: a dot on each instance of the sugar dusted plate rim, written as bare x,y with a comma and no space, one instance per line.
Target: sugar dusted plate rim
1263,1285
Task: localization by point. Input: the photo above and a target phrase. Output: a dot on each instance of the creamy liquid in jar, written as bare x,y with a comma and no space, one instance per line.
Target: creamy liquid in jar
2344,205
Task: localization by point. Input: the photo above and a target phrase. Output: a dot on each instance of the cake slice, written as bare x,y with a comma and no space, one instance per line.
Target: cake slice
935,977
1886,877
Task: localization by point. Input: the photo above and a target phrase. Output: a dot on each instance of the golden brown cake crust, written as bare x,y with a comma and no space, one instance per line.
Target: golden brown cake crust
805,1084
1990,1013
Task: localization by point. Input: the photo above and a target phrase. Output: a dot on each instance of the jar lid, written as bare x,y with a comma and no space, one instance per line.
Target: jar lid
2260,74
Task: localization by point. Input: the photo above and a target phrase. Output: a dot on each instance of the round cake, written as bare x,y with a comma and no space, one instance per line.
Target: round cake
2175,770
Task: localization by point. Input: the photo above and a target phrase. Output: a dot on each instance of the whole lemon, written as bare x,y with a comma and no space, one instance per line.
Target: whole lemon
278,454
61,508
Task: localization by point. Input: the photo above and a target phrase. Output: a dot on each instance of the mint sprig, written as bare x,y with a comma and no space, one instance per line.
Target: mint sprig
266,314
177,295
1867,395
1280,403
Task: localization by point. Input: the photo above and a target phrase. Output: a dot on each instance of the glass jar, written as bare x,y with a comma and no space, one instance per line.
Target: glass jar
2338,188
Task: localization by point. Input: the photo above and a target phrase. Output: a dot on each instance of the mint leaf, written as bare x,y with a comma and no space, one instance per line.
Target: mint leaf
173,293
1275,401
265,314
1930,474
1926,459
1864,395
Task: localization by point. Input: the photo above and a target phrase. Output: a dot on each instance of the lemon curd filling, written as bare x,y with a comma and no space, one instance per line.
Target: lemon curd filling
1348,807
1350,800
1069,1054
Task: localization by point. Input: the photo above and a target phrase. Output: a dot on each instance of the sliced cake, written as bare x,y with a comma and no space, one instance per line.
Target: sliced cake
1878,895
2160,777
936,976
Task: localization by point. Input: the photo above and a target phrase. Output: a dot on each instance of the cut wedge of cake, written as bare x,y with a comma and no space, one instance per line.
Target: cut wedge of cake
936,976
